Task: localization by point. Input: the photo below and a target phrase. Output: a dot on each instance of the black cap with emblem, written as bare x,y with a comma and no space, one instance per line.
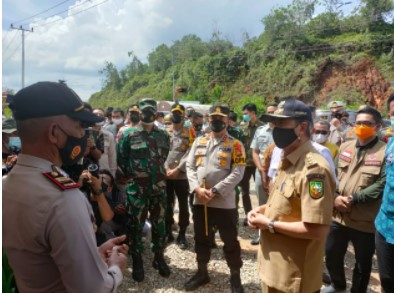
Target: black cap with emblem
46,98
134,108
290,108
220,110
178,107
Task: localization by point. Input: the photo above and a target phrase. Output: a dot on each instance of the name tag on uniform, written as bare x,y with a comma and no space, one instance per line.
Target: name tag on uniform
372,160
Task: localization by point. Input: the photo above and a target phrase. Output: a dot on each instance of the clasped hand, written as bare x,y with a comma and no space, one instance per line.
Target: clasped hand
205,195
257,219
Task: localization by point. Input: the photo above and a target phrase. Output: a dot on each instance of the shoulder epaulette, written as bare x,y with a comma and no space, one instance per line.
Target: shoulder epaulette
61,181
310,160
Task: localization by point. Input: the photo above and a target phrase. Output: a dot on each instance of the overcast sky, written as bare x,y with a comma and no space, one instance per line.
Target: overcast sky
74,45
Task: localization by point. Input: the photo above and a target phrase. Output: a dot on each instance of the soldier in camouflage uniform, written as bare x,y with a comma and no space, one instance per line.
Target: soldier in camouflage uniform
142,151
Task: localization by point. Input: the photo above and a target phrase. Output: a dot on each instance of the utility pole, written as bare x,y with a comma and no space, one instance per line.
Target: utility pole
173,75
23,50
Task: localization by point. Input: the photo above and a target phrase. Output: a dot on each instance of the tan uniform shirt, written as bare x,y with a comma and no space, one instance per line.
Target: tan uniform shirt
180,144
356,174
108,158
302,191
221,161
48,234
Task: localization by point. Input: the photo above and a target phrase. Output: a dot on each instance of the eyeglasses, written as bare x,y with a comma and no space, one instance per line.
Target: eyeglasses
365,123
324,132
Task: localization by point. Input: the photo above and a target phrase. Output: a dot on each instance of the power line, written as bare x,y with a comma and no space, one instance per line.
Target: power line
13,38
42,12
5,61
90,7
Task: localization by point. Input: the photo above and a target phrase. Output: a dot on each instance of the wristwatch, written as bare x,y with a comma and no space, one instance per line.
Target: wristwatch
214,190
271,226
97,191
350,199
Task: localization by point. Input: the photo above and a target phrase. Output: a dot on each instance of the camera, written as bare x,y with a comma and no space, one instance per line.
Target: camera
336,114
94,170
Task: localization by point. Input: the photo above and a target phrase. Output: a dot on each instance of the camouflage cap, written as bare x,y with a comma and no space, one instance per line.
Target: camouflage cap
148,103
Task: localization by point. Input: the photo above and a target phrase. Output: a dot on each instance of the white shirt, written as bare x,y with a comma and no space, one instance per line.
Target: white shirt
277,157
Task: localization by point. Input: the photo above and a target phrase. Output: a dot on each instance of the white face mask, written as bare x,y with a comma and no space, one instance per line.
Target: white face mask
320,138
100,123
117,121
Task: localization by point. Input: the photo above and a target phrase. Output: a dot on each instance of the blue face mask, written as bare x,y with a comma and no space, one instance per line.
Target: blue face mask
14,143
246,117
392,121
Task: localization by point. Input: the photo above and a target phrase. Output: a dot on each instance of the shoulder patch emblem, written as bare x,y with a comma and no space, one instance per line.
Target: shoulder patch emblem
316,189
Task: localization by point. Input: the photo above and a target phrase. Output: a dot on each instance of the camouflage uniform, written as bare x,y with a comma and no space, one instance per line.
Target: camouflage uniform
250,170
236,132
141,157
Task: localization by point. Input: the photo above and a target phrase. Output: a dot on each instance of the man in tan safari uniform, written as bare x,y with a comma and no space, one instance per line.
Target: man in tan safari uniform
362,176
295,220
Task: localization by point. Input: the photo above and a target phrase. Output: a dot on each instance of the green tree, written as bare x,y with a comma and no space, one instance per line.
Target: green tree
376,10
160,59
111,77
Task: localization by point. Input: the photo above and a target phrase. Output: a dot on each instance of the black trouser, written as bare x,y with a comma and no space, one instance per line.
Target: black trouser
385,254
336,247
181,189
245,188
226,222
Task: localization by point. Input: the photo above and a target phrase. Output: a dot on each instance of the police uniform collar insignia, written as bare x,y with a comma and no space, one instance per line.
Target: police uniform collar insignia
60,179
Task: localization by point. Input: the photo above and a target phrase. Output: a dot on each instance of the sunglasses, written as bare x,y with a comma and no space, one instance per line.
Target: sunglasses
365,123
324,132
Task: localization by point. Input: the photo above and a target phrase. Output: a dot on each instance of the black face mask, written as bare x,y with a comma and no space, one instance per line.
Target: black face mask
198,127
176,118
283,137
134,117
73,150
148,116
217,125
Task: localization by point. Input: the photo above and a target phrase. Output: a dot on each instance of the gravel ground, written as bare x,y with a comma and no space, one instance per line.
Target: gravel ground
183,266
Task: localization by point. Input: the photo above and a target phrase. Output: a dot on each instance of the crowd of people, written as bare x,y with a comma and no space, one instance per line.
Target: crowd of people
81,185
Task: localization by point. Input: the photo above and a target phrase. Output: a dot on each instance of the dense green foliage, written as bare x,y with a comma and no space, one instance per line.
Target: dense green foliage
284,60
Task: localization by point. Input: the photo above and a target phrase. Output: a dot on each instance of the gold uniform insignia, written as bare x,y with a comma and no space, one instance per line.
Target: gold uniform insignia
217,110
